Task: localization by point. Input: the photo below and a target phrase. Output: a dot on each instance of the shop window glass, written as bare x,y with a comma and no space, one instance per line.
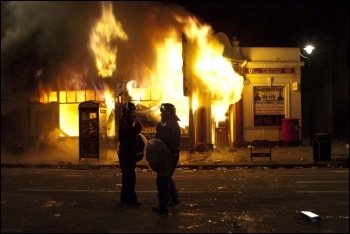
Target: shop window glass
81,96
53,96
100,95
63,96
90,95
71,96
268,105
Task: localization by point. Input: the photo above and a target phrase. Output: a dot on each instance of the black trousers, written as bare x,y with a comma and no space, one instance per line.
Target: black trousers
166,187
127,165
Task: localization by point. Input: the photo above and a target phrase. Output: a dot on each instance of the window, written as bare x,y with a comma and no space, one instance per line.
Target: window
268,105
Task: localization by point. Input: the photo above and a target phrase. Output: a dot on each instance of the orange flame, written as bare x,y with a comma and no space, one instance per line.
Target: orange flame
211,72
102,41
165,80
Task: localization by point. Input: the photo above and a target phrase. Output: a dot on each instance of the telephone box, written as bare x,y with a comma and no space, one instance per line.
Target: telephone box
92,130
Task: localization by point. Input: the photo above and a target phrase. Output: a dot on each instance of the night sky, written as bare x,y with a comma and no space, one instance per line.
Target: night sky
44,40
275,23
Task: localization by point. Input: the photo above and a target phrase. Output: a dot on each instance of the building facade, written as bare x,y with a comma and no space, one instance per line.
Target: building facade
271,94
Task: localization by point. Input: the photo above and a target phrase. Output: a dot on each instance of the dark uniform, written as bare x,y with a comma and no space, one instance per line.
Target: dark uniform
168,131
128,131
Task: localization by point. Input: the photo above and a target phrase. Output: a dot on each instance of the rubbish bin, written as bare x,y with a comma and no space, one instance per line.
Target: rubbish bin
290,132
322,147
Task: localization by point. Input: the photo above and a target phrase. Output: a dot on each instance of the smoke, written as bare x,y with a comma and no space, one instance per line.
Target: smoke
43,41
48,150
147,24
40,40
40,35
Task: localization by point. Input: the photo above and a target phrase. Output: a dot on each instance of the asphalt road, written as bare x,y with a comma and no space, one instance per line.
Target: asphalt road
247,200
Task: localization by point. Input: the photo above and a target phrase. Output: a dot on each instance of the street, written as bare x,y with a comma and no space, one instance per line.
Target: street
240,200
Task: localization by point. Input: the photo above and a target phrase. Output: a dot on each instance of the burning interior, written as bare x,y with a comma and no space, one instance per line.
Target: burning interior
170,56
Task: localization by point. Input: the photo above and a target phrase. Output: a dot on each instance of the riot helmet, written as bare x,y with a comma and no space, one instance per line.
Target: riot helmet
127,108
168,110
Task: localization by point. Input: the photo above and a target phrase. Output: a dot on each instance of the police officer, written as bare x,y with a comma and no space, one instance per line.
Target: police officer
129,128
168,131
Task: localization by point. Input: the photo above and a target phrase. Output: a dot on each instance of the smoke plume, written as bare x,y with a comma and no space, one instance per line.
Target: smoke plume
42,41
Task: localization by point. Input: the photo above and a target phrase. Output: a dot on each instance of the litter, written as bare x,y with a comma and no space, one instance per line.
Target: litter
310,216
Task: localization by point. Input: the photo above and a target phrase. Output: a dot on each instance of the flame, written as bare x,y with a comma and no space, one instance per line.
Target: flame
103,41
110,108
211,72
166,80
69,113
69,120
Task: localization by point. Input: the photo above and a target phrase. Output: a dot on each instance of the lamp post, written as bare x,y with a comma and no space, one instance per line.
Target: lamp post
309,50
119,91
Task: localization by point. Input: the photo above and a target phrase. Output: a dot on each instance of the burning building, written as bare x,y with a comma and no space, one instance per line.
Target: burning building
140,51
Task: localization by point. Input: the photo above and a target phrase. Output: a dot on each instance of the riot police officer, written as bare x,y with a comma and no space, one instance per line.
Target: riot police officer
168,131
129,128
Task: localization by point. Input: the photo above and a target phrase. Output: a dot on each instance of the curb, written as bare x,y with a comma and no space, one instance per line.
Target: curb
271,165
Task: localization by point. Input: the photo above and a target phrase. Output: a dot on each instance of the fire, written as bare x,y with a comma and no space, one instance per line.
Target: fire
69,120
103,39
69,114
211,72
165,80
108,96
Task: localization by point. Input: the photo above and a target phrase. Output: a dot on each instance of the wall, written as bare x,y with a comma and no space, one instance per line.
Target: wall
265,67
271,67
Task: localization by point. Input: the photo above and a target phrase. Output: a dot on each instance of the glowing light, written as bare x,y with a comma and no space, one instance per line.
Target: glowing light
211,71
103,39
309,49
162,81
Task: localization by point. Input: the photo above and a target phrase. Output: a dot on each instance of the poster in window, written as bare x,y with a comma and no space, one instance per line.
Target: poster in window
268,100
268,105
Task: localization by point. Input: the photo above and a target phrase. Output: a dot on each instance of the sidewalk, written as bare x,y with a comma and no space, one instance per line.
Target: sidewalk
221,157
280,157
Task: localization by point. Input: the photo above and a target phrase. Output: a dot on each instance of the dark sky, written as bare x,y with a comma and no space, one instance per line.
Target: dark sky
40,40
275,23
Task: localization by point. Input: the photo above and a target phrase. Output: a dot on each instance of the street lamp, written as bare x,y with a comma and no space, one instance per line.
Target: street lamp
309,49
